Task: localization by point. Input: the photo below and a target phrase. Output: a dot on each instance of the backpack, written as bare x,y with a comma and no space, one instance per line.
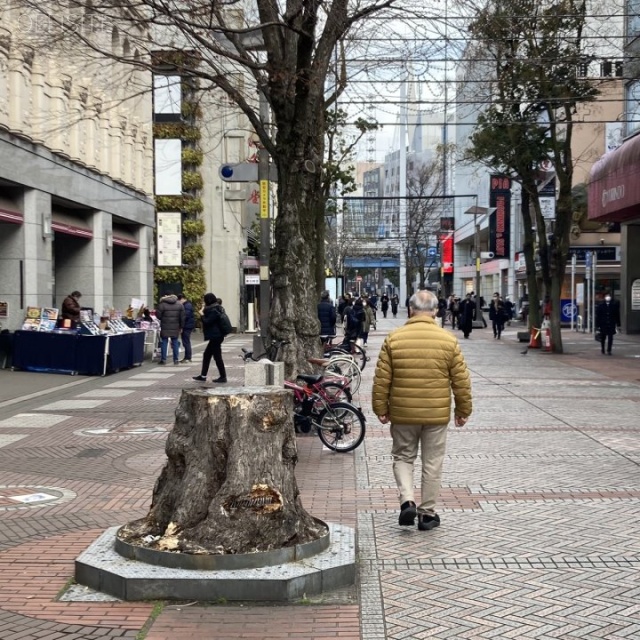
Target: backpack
224,322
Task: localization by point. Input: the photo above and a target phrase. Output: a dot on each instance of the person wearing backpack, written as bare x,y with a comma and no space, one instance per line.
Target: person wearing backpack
215,326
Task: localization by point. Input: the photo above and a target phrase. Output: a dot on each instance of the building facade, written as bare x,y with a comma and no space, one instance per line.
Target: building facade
75,173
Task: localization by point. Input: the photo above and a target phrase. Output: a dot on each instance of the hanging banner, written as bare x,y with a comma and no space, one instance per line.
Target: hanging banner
446,251
500,218
169,239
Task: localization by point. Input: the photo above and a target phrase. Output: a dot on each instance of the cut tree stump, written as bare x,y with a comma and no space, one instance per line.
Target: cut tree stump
228,486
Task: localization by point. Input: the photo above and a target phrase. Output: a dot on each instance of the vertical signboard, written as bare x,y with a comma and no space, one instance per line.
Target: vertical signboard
169,242
499,220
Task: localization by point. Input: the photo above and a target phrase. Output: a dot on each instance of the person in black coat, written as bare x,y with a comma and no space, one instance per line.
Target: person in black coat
210,314
384,304
395,301
497,315
189,326
170,315
467,309
326,315
607,322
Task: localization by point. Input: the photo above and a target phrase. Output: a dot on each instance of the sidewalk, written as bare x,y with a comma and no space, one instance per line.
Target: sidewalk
540,505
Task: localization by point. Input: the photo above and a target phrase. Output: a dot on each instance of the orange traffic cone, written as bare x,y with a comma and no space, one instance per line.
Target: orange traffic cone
534,342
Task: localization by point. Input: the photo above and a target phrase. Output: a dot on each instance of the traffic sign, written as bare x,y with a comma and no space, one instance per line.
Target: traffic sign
432,251
358,278
245,172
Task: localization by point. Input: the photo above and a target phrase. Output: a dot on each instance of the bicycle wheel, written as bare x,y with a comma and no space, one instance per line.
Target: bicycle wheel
336,392
345,366
341,427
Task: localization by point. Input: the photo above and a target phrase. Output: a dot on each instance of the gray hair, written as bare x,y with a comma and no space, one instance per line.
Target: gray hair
423,301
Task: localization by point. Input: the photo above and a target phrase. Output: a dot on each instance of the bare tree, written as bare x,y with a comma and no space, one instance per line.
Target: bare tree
282,50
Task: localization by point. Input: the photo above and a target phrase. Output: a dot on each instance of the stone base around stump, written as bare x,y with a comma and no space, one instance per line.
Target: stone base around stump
101,568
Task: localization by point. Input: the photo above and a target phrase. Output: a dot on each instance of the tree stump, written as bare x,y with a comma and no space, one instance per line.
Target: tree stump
228,486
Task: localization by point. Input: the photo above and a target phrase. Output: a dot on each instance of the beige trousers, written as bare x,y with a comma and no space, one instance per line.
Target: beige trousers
432,441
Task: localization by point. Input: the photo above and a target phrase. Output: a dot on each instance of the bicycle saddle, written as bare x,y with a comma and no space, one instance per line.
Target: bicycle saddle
310,378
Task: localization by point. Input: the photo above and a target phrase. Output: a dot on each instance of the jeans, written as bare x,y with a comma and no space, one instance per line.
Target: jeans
186,343
175,347
214,348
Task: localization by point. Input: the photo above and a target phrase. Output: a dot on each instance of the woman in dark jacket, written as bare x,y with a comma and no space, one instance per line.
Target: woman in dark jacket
213,333
326,315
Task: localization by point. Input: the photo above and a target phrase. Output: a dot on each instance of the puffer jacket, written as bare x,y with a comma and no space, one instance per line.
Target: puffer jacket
170,314
419,366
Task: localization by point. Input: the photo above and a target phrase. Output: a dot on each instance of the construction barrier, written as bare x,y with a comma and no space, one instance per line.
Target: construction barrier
534,341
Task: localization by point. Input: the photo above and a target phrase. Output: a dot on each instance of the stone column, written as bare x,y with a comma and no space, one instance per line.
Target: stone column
5,45
102,256
38,101
37,249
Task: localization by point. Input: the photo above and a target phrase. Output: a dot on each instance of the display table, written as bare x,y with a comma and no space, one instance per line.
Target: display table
74,353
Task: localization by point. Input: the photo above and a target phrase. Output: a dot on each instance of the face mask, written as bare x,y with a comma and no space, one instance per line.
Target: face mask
607,298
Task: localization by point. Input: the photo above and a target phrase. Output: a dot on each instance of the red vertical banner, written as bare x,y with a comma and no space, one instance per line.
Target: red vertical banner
500,219
446,252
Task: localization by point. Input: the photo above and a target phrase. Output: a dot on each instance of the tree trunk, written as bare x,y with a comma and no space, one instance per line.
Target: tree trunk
529,258
228,486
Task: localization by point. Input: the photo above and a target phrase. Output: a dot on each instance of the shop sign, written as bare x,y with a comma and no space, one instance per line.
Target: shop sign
4,309
252,278
604,254
635,295
169,239
568,310
499,220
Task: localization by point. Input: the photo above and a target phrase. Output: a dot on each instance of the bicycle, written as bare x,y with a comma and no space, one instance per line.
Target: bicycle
351,348
340,425
337,387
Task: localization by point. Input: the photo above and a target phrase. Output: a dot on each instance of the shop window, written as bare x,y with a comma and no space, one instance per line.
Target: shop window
632,110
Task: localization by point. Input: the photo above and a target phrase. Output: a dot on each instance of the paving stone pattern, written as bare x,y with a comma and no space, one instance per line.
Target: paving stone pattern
540,507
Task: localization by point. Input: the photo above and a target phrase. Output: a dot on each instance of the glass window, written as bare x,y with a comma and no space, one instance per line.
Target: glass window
168,167
632,109
167,94
633,18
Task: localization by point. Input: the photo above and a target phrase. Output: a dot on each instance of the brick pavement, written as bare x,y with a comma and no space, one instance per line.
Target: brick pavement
540,506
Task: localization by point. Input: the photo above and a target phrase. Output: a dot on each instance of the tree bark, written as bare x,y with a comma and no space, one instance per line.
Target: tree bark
228,486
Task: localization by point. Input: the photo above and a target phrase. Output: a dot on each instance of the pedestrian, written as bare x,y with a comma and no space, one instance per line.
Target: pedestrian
372,302
395,301
384,304
418,367
354,319
406,304
454,310
607,322
467,314
497,315
441,312
170,314
508,307
189,326
368,321
345,301
211,314
71,308
326,315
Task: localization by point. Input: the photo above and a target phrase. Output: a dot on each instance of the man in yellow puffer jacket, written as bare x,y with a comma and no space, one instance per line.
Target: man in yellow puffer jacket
419,366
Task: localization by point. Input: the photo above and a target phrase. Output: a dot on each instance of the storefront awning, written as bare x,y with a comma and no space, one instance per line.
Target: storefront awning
70,225
125,238
10,216
614,184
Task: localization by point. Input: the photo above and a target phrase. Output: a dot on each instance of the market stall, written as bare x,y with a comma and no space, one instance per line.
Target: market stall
88,349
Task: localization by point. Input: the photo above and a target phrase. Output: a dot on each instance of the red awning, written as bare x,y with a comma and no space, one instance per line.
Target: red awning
70,225
124,238
11,216
614,184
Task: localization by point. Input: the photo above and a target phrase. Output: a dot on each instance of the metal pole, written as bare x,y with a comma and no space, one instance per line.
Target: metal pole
265,227
573,289
477,250
587,306
594,262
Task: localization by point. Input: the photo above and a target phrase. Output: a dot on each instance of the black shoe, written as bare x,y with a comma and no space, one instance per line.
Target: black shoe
200,378
608,353
408,513
162,362
427,522
219,380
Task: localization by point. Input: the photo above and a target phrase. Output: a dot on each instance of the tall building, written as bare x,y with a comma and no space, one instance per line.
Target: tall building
614,186
75,170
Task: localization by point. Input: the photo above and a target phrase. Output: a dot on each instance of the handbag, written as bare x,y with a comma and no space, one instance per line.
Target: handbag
598,336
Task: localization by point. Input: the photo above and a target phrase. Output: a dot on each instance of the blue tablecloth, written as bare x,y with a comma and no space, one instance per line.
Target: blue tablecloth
73,353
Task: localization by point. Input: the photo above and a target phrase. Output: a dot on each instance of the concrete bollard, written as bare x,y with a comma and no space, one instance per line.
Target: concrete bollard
264,373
